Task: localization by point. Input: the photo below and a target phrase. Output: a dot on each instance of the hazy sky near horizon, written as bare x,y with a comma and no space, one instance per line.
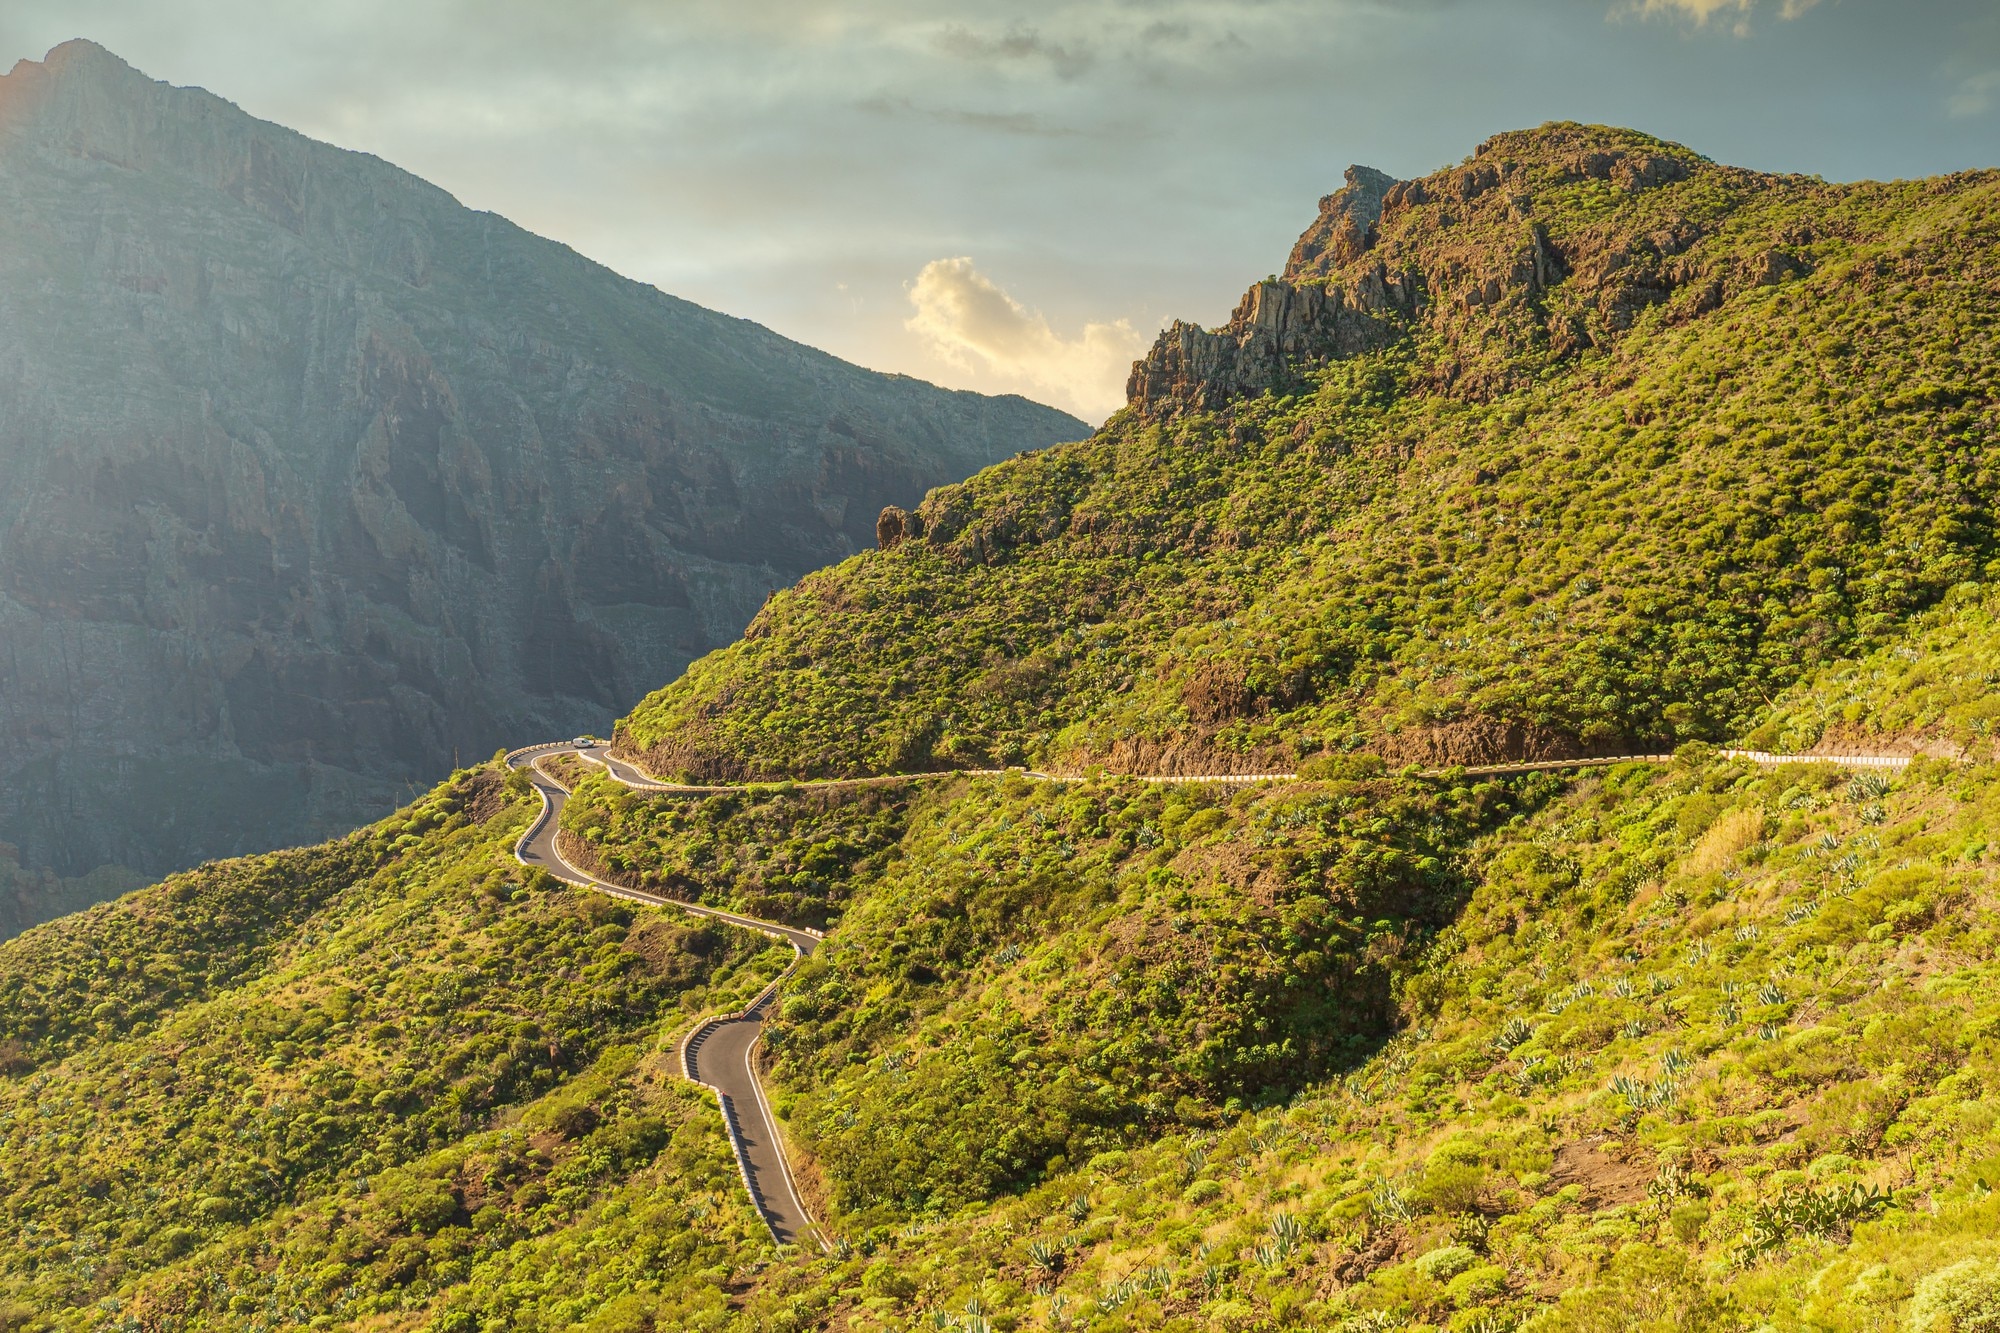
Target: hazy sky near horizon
1015,198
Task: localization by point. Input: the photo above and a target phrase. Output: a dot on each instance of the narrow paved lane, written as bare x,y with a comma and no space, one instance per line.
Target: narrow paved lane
721,1053
631,775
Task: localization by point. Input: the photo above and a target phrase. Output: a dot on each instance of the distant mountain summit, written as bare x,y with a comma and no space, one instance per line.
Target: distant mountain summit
312,478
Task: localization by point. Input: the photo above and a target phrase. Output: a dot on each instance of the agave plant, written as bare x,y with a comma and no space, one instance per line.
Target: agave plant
1867,787
1388,1201
1804,1211
1674,1182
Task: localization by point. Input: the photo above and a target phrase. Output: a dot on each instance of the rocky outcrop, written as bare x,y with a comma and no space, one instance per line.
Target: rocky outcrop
1503,265
1345,227
313,480
1284,325
1277,330
896,526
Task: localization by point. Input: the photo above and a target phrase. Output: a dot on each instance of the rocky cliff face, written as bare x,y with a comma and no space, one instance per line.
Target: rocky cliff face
1284,321
312,479
1518,259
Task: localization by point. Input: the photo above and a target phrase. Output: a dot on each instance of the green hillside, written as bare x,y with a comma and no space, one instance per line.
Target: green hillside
1744,436
1694,1045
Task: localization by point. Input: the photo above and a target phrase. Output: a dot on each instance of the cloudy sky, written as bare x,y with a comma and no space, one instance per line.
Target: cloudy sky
1016,197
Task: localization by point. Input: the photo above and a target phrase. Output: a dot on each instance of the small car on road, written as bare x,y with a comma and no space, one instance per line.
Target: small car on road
584,742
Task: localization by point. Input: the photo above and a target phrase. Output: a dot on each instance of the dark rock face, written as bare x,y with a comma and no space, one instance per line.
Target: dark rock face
1277,326
1342,231
1283,322
312,479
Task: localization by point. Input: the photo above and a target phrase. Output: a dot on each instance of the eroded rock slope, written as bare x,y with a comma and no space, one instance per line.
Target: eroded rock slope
312,478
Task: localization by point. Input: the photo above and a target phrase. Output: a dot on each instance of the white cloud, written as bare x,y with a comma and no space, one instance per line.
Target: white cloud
1974,96
1704,11
971,322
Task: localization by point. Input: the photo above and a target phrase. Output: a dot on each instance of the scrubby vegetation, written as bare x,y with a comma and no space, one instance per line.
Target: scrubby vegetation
1636,544
394,1057
1694,1045
776,855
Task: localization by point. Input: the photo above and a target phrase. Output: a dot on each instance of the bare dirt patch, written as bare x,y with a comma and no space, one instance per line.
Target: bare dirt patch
1379,1249
1610,1173
485,794
1486,740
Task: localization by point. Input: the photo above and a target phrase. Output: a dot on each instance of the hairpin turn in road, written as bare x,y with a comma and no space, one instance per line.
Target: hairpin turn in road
721,1053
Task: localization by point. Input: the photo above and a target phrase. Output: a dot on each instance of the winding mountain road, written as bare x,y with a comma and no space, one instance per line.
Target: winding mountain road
721,1053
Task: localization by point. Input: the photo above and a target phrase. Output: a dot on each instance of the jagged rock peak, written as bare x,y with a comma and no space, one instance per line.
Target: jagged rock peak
82,84
1345,225
82,54
77,59
1492,237
1302,315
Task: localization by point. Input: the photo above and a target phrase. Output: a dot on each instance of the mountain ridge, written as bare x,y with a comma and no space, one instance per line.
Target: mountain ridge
1695,1044
1446,434
315,479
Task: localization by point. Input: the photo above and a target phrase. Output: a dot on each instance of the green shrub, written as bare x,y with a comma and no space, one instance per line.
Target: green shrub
1964,1298
1443,1265
1476,1286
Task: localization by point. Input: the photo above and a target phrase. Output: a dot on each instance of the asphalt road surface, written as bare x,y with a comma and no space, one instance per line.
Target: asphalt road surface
720,1054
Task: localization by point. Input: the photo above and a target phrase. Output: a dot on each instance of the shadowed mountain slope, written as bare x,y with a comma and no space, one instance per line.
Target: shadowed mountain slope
311,478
